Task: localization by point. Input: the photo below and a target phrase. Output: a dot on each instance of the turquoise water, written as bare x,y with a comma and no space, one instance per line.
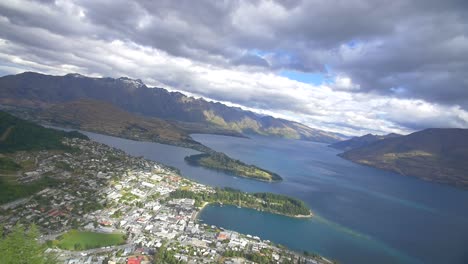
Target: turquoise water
315,233
364,215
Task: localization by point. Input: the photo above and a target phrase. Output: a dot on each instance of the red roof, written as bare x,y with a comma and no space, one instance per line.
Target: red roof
53,212
134,260
222,236
105,223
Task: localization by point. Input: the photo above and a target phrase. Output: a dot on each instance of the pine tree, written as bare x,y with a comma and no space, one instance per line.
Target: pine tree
22,247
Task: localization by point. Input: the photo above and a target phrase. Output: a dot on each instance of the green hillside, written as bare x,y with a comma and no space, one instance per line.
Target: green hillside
17,134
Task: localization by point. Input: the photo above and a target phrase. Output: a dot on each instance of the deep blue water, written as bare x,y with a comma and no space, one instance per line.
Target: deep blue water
363,215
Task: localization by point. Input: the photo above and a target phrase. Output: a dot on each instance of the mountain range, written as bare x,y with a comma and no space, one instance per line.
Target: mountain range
39,91
127,108
434,154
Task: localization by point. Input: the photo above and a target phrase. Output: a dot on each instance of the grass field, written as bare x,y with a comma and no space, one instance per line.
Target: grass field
81,240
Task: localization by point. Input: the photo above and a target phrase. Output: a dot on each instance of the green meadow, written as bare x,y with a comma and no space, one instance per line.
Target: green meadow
82,240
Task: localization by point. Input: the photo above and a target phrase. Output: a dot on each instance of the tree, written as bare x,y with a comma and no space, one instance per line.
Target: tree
77,246
162,255
20,246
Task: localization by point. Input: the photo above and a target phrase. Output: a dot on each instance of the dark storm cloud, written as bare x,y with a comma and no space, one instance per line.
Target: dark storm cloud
182,28
252,60
233,50
416,49
427,57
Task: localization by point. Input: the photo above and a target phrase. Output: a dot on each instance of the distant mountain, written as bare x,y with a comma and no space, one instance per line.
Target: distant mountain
357,142
38,90
105,118
436,154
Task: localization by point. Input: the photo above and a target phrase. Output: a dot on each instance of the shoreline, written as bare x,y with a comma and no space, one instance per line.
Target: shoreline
195,145
310,215
199,210
242,176
275,178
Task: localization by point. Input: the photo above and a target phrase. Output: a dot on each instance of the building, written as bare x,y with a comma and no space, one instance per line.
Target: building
134,260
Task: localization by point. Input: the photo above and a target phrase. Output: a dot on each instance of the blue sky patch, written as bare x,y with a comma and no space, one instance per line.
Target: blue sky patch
304,77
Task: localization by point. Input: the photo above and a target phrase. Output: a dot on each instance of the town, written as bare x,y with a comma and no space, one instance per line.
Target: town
101,192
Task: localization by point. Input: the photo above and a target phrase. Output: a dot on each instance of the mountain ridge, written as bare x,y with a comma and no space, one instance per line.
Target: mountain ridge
135,97
357,142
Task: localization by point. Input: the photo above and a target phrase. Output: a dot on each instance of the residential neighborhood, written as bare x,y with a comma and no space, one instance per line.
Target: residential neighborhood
101,190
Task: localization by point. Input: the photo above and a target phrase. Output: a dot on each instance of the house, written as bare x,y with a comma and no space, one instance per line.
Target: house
134,260
222,236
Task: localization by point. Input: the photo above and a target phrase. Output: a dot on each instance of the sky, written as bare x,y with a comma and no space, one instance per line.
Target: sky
348,66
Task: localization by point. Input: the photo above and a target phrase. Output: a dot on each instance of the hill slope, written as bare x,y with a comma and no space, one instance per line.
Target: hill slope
438,155
17,134
105,118
357,142
135,97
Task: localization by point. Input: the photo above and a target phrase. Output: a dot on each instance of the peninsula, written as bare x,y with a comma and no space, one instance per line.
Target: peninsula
222,162
269,202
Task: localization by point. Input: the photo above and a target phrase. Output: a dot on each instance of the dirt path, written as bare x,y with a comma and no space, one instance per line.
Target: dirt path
6,133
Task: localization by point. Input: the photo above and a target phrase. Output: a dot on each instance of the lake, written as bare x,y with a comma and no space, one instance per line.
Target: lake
363,215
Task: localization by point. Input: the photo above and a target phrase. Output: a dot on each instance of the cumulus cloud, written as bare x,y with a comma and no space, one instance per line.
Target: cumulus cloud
393,68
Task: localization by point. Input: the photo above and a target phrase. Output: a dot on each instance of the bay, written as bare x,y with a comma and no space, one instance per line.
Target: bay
363,215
